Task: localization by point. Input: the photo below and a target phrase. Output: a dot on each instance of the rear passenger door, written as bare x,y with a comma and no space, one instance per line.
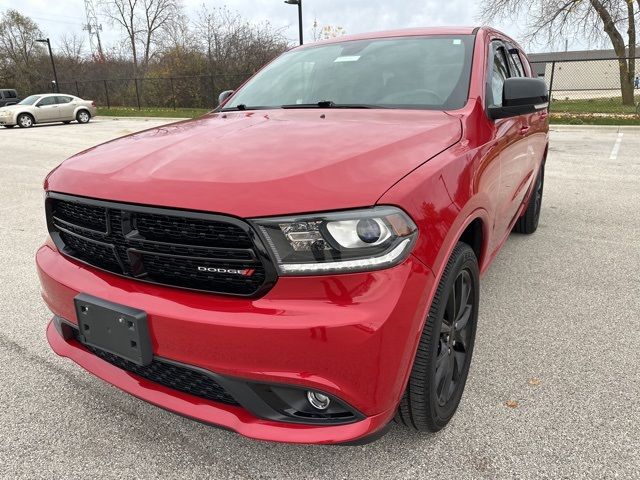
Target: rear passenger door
66,107
511,137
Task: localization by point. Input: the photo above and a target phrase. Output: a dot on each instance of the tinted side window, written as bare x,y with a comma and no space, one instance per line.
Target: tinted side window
499,73
1,94
10,94
63,99
47,101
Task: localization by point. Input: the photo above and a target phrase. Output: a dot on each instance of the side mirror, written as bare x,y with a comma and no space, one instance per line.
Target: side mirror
223,96
521,95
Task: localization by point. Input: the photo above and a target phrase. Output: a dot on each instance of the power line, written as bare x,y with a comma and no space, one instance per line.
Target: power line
94,28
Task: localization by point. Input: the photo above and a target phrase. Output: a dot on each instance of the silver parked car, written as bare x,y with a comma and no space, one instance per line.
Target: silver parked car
47,108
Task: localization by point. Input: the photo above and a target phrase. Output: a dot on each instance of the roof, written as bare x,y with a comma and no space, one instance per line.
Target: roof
51,94
405,32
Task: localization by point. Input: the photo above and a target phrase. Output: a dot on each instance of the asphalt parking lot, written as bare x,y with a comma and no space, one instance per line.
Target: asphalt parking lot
554,387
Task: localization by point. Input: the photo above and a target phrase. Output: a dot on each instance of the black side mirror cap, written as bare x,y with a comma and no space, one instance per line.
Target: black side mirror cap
521,95
224,95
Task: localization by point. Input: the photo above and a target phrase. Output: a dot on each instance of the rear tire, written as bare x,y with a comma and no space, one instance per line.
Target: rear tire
83,116
25,120
528,223
442,361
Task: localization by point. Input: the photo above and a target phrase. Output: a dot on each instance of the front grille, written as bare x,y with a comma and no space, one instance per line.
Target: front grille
171,375
190,250
85,216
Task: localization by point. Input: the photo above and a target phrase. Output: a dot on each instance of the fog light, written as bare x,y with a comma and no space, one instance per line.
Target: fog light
318,400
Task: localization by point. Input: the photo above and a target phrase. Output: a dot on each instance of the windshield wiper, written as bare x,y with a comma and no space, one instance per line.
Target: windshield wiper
330,104
242,107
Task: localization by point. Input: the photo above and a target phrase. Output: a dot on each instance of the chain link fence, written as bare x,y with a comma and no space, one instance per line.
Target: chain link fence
154,92
590,87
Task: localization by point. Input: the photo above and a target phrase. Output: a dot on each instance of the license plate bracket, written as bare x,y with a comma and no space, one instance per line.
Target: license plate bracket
114,328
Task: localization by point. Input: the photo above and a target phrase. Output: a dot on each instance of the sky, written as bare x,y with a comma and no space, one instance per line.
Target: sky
56,17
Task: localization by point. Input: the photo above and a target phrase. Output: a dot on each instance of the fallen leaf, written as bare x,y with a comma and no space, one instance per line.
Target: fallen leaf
511,404
534,381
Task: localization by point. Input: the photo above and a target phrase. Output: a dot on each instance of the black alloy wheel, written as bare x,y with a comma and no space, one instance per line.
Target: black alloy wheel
443,358
455,337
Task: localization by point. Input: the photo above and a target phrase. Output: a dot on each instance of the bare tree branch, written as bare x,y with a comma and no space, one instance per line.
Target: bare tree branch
556,20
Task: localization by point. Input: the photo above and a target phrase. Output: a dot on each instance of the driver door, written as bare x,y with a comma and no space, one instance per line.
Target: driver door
47,110
514,156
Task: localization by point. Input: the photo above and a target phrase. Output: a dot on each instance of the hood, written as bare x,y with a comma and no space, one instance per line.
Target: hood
261,163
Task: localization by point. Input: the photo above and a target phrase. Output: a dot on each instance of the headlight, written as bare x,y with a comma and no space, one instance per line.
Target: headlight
351,241
4,113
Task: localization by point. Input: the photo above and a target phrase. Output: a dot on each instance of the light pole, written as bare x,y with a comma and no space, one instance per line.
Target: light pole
53,65
299,3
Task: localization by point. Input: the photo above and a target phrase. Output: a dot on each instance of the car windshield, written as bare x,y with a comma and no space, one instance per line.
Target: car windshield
30,100
429,72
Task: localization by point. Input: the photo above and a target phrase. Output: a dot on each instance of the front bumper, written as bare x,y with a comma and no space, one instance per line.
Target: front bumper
353,336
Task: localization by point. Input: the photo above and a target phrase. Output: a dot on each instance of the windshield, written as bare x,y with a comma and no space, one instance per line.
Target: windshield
30,100
429,72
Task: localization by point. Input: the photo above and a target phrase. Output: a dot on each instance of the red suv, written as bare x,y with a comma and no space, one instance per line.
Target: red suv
302,264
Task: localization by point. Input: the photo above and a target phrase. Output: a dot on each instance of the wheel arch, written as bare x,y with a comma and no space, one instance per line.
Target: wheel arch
25,112
474,236
473,230
80,109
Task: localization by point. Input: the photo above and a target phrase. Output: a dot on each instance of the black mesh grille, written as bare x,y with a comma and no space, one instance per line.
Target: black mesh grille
98,254
210,252
170,375
86,216
191,231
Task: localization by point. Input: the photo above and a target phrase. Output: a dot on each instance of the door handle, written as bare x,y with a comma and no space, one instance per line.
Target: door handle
524,130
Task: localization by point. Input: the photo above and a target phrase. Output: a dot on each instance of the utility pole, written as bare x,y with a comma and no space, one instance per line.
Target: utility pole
94,28
53,65
299,3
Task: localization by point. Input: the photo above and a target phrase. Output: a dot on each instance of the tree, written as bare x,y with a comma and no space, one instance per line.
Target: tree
234,46
143,22
21,54
158,15
556,19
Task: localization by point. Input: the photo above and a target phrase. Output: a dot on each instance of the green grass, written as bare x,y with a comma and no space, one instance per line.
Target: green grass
586,119
152,112
594,105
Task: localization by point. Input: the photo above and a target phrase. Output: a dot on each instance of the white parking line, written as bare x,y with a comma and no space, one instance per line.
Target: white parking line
616,147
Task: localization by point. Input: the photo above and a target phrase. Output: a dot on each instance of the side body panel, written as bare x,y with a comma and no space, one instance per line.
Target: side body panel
487,176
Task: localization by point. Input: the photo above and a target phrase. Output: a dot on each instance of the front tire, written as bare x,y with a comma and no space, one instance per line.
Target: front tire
83,116
25,120
442,361
528,223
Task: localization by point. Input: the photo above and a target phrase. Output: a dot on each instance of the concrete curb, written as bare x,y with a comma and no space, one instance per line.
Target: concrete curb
142,119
